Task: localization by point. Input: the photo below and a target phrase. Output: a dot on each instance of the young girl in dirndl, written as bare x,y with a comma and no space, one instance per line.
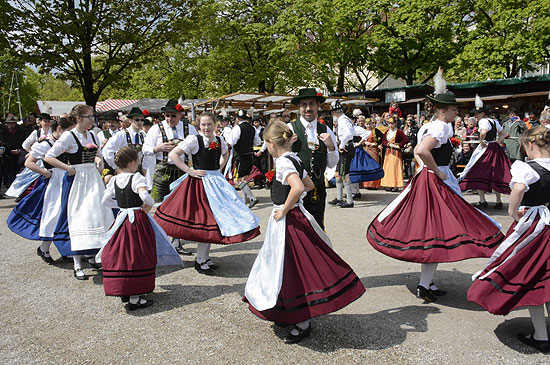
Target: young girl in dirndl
517,273
203,206
135,244
450,229
35,216
83,221
297,275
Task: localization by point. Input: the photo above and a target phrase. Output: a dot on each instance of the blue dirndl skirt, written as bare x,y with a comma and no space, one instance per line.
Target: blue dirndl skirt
25,218
364,168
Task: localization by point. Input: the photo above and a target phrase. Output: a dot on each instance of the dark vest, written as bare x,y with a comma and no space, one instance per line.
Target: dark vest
492,134
443,154
47,165
126,198
539,192
279,192
244,145
315,162
83,154
206,158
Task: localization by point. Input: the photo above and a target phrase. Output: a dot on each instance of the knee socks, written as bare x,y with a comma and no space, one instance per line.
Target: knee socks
349,194
339,189
539,322
427,272
203,252
77,263
45,247
246,191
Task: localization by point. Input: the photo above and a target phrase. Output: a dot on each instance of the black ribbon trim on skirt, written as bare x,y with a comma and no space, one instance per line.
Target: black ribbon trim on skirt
137,270
128,276
186,224
499,288
468,242
26,217
318,301
317,291
484,181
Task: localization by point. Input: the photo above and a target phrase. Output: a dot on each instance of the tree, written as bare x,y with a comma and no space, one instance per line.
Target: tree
11,65
505,36
410,39
92,42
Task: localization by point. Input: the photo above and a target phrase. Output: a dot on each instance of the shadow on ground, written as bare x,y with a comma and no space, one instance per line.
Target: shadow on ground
508,330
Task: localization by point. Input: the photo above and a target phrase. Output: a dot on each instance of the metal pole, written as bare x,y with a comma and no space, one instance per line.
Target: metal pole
18,97
417,112
9,95
192,112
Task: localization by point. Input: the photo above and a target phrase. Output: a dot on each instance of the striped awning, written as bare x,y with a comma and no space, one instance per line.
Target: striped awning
113,104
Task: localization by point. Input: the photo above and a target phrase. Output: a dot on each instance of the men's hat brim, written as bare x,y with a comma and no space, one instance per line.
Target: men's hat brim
443,99
295,100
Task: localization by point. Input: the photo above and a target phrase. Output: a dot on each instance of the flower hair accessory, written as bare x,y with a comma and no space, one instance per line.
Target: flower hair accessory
145,112
178,107
213,146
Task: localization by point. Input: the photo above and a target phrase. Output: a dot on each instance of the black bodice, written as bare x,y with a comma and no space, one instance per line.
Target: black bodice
125,197
279,192
492,134
207,158
442,155
83,154
244,145
539,192
64,157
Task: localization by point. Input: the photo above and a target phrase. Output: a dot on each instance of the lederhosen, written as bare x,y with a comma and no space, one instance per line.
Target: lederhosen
315,163
244,150
165,174
107,169
344,159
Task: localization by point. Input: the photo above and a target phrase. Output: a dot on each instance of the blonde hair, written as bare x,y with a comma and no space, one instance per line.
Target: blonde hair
278,132
540,136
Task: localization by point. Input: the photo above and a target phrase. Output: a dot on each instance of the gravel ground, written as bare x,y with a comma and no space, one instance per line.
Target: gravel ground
50,317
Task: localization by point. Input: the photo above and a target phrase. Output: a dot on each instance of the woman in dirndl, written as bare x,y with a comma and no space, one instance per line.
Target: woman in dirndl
297,275
393,142
35,217
83,221
135,244
517,273
451,229
373,146
203,206
363,167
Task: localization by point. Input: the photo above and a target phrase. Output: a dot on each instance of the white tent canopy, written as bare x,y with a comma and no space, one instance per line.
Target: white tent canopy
56,108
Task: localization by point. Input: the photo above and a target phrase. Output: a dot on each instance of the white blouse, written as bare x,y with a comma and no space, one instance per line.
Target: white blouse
438,129
66,143
284,167
39,150
190,145
485,123
524,174
121,180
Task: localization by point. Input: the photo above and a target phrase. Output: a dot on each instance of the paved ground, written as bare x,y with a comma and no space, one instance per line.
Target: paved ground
47,316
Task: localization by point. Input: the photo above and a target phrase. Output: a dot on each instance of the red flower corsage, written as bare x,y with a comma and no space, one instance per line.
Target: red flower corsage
179,108
456,141
269,175
213,146
145,112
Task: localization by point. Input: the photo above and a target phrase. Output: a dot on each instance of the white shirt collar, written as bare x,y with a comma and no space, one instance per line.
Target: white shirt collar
305,123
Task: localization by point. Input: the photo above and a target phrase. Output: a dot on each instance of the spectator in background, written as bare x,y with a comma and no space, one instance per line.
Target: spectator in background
13,136
463,157
460,129
472,133
394,109
514,127
411,131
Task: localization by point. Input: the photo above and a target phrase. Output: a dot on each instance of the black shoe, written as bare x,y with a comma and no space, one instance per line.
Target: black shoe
395,190
357,196
346,205
211,265
43,256
369,188
200,270
437,292
498,206
139,305
124,298
93,264
542,346
481,205
79,275
387,189
423,293
290,338
253,202
336,201
184,251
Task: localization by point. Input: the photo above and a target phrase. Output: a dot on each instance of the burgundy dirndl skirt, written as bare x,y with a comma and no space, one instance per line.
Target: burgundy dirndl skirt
316,280
433,224
130,258
490,172
186,214
523,280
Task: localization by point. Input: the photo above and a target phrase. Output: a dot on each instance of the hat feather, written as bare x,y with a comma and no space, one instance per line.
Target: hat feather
478,102
223,112
181,100
440,85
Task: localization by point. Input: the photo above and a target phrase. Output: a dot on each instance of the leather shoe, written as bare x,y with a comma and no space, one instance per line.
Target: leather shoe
290,338
336,201
437,292
498,206
211,265
124,298
480,205
93,264
346,205
253,202
184,251
425,294
43,256
542,346
200,270
139,305
357,196
79,274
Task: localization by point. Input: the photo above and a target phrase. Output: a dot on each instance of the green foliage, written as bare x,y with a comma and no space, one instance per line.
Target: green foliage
11,65
505,36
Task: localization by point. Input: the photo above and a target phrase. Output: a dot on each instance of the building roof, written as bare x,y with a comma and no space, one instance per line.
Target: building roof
55,108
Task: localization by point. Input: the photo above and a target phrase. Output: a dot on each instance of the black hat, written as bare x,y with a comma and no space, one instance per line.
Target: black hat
479,107
110,115
243,115
44,116
148,121
308,93
135,112
443,99
172,106
335,105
